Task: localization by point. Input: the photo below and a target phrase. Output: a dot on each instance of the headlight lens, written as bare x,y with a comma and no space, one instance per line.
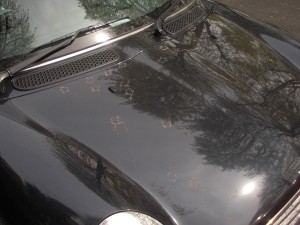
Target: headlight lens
129,218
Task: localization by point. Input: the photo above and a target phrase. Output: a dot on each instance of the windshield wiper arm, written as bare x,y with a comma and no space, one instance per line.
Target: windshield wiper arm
159,21
11,71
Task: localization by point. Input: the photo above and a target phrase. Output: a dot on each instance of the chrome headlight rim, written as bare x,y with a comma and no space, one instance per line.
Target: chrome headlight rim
130,217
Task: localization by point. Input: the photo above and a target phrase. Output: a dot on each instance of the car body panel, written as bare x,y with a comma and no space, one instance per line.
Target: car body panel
197,128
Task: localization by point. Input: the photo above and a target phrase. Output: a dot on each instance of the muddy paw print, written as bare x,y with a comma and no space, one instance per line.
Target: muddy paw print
64,89
172,176
89,80
162,60
166,124
118,123
163,47
95,88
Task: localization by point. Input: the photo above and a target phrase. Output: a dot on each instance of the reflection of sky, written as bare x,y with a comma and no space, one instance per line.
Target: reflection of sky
55,18
291,52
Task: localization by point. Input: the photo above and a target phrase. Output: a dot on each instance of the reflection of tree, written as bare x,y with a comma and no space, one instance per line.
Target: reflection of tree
273,189
22,203
99,175
111,10
15,35
287,96
225,91
180,210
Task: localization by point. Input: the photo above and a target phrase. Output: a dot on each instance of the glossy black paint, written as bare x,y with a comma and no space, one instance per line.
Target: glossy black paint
199,128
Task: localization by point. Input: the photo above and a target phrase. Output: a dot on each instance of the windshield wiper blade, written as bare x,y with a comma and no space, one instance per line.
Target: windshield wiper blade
11,71
159,21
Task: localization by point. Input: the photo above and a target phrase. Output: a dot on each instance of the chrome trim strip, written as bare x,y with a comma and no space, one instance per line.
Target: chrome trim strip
187,7
3,76
88,49
130,218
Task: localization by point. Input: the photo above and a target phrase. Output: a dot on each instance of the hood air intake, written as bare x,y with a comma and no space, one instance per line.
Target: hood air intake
46,76
183,21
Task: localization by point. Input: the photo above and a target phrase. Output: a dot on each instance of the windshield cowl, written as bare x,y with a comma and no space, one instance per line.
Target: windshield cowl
24,29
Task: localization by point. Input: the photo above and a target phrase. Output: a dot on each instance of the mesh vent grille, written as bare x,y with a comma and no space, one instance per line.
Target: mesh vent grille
181,22
37,79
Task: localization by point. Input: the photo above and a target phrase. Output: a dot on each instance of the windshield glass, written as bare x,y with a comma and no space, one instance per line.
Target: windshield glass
27,24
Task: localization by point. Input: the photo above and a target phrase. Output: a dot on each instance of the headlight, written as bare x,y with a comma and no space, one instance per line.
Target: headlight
129,218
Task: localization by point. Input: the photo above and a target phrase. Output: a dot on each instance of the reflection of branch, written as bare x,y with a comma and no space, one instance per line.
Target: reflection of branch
137,3
264,71
3,45
16,37
207,26
16,40
290,83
